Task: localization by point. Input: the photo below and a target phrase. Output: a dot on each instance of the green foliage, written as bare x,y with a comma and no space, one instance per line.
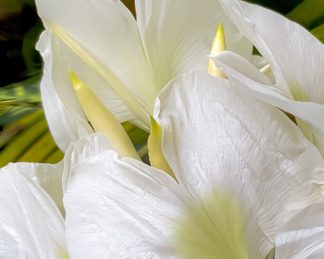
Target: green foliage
25,135
28,139
30,55
277,5
318,32
137,135
19,99
308,13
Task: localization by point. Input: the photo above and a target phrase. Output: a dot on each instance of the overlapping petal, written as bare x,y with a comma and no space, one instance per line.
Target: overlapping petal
248,79
178,35
214,136
296,60
295,55
121,207
126,62
47,176
227,142
301,235
101,39
31,224
66,122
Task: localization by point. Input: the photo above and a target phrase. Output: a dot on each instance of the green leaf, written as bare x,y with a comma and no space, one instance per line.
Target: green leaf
15,127
9,115
28,140
19,99
137,135
308,12
30,55
318,32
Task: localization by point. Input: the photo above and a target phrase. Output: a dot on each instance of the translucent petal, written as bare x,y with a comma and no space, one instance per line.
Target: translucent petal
65,121
47,176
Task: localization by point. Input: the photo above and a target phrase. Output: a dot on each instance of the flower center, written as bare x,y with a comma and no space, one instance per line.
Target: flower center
212,228
62,254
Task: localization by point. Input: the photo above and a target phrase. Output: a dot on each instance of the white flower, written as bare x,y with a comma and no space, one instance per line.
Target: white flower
216,141
296,59
125,61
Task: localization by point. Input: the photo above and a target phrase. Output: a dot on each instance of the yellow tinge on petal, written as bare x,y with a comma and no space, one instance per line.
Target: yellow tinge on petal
212,228
156,156
117,85
217,47
102,120
63,254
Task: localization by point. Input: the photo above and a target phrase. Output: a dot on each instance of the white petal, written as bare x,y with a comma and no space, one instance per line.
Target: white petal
47,176
118,208
229,61
108,33
246,77
295,55
66,125
79,151
31,224
214,136
302,236
178,35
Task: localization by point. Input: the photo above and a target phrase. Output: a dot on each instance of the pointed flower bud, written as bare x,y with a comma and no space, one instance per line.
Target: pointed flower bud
102,120
217,47
156,156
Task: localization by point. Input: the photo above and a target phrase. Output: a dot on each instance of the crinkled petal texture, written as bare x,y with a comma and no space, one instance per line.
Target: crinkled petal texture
296,59
31,225
302,234
295,55
178,35
215,136
125,209
215,139
117,208
246,77
47,176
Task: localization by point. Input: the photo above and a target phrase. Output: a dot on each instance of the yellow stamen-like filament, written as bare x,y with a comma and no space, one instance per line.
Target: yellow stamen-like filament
156,156
217,47
266,69
102,120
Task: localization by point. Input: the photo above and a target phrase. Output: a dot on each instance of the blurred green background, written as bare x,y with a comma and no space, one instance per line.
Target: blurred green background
24,135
